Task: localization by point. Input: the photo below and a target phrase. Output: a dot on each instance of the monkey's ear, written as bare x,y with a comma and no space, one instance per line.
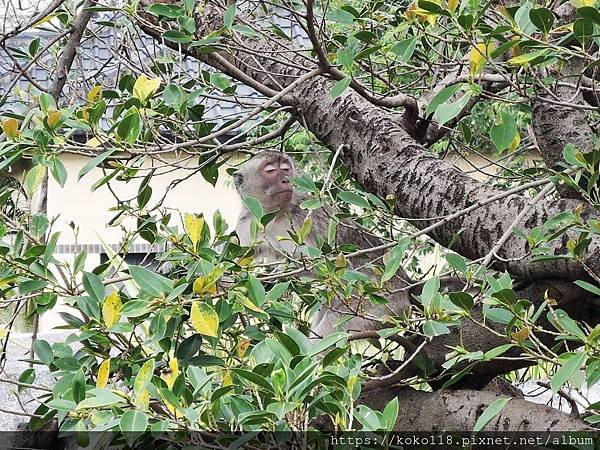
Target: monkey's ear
238,179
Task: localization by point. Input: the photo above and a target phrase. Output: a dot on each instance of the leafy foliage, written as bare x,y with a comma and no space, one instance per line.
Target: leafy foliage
222,341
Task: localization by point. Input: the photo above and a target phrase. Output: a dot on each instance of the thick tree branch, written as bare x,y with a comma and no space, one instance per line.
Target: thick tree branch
459,410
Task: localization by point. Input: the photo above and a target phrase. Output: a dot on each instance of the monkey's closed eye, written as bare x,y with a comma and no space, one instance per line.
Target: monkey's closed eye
270,168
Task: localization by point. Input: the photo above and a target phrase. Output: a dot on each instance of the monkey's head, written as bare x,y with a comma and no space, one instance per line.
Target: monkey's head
266,177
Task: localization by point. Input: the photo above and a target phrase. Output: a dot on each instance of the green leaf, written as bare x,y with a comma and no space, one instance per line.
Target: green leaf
339,87
27,377
59,171
567,370
345,57
432,328
78,386
149,281
590,13
588,287
442,97
457,261
133,421
506,296
491,354
189,347
566,323
254,206
542,18
93,163
527,57
43,351
93,286
229,15
341,16
354,199
490,412
134,308
405,48
368,418
583,29
47,103
130,126
33,179
254,378
169,11
177,36
277,291
103,397
462,299
503,134
395,259
326,342
256,290
448,111
431,287
390,414
174,95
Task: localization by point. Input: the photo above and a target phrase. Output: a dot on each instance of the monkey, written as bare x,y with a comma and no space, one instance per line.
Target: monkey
267,178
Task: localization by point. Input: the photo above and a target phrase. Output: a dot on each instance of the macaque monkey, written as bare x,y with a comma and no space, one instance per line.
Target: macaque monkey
266,177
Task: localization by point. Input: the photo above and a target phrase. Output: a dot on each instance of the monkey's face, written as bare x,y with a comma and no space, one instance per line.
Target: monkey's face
275,176
266,177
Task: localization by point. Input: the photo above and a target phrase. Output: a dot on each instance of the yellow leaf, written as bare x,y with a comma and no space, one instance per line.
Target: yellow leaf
305,229
478,57
93,142
248,303
423,15
53,119
226,378
142,399
502,10
351,382
515,142
144,87
340,261
111,309
95,94
242,347
3,332
452,5
144,376
208,283
103,371
10,128
172,374
205,319
582,3
198,286
44,19
521,335
193,227
246,261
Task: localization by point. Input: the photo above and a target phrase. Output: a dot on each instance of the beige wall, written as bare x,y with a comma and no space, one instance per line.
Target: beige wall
91,210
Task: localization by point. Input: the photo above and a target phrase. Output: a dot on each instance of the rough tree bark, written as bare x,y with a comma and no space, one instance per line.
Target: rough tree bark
458,410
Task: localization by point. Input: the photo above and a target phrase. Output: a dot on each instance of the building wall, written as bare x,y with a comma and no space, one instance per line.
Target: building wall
90,210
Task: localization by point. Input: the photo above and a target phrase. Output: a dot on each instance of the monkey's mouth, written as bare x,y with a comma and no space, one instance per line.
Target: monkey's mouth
284,191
